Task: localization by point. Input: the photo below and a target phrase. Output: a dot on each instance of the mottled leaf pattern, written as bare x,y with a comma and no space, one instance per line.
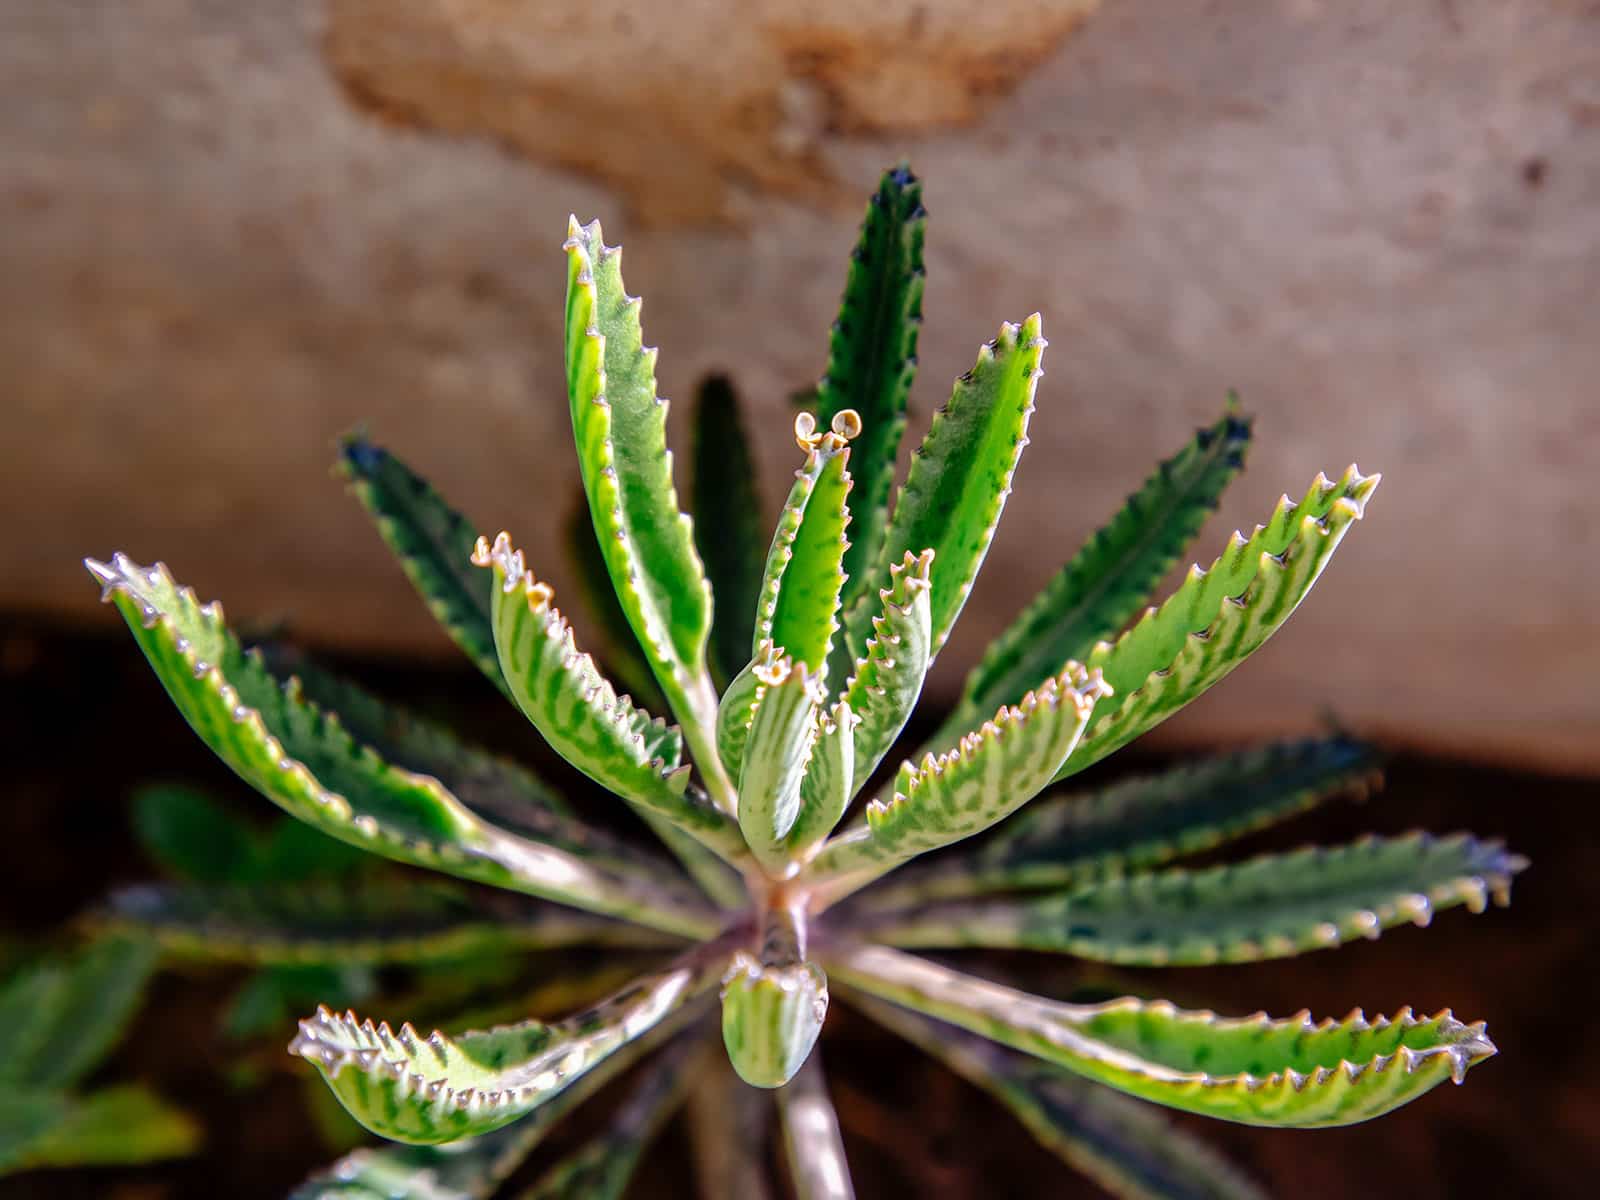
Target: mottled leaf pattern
303,760
887,679
437,1088
829,782
1293,1072
872,356
1064,840
1126,1146
783,727
1107,581
432,542
1272,906
773,1004
1217,618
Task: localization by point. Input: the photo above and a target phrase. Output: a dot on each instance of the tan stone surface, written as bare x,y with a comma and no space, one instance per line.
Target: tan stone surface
230,230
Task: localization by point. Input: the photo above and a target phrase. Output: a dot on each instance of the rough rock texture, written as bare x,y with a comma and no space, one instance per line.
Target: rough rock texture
232,230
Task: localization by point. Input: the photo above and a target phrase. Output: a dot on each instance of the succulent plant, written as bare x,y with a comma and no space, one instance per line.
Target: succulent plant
786,699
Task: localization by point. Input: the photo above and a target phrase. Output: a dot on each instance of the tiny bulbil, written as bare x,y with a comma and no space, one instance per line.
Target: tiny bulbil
810,847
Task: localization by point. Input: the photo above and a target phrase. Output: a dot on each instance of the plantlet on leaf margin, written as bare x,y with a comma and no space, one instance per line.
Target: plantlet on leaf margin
773,904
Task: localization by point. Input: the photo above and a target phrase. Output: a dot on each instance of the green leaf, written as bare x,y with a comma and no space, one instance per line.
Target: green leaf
798,606
1126,1146
1272,906
960,478
772,1013
1108,580
271,997
783,728
1293,1072
621,431
817,1164
192,836
727,506
872,357
118,1126
434,1089
989,775
887,679
579,713
59,1019
432,542
294,852
303,760
1218,618
473,1168
372,922
623,656
1066,840
828,784
26,1117
601,1168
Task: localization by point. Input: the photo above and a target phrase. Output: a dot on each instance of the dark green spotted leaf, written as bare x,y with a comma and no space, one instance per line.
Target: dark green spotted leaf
432,542
1066,840
727,531
304,760
872,358
1294,1072
1126,1146
1110,578
1272,906
437,1088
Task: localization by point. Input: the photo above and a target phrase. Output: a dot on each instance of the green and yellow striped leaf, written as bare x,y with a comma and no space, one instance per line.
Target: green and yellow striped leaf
1066,840
437,1088
1126,1146
368,921
773,1004
797,608
1272,906
1294,1072
432,542
302,759
620,426
581,715
887,679
990,774
1107,581
728,532
872,357
829,781
1217,618
959,480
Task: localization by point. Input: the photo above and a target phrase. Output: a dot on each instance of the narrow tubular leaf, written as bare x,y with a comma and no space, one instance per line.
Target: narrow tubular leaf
1218,618
829,782
783,728
474,1168
601,1168
1127,1147
798,605
434,1089
773,1004
303,759
620,426
623,656
1110,578
960,478
432,542
989,775
872,355
369,922
883,688
727,507
1066,840
811,1139
1293,1072
581,715
1272,906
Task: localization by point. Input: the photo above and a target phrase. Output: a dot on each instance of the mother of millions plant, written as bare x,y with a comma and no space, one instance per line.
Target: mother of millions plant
776,901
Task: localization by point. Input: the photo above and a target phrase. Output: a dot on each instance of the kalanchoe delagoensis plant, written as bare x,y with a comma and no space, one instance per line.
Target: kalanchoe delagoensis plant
784,700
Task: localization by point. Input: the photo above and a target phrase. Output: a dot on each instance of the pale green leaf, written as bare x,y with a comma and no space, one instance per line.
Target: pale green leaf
783,728
773,1005
828,784
1294,1072
887,678
817,1164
